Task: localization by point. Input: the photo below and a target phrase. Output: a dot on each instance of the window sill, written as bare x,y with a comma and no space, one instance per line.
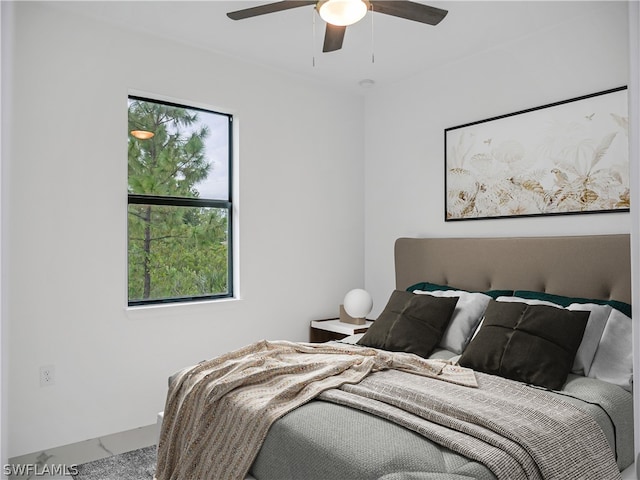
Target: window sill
171,309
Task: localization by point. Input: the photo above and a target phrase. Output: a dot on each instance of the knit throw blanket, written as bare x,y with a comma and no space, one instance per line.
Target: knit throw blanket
218,413
517,431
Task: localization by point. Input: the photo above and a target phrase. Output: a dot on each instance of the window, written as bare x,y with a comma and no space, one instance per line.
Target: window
179,203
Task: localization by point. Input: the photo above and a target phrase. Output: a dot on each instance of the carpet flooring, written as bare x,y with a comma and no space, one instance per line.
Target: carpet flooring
135,465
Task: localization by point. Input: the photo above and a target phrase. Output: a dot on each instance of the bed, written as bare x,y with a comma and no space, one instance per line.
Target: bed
567,416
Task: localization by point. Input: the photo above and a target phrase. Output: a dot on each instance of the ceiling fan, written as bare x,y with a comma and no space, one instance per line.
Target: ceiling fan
340,13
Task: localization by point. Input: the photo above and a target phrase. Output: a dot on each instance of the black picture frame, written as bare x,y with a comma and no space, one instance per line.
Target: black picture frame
562,158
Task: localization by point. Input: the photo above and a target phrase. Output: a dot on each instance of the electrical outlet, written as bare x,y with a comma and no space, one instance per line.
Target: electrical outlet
47,375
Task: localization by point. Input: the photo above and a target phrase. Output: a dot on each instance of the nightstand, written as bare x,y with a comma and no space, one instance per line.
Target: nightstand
334,329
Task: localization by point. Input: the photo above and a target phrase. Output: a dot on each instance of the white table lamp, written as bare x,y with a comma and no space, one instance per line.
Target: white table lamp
356,306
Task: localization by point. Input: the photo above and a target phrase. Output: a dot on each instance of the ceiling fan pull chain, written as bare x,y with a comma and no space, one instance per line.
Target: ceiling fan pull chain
313,37
373,58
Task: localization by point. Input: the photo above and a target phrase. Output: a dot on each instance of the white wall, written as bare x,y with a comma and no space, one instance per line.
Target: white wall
300,222
405,126
634,151
4,17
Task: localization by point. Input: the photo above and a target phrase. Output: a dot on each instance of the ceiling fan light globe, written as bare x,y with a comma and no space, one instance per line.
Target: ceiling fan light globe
342,13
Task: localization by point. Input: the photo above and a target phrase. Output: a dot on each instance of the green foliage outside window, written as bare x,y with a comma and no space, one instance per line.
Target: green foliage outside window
178,242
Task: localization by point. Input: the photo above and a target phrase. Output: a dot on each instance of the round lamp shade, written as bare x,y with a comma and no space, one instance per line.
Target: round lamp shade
358,303
342,12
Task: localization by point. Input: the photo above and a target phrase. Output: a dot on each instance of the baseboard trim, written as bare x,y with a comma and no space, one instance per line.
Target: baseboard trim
93,449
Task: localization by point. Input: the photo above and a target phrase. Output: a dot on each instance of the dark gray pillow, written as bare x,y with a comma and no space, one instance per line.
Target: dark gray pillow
376,335
529,343
410,323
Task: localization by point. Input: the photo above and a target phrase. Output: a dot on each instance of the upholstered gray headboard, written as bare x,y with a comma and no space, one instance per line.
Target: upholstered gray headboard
594,266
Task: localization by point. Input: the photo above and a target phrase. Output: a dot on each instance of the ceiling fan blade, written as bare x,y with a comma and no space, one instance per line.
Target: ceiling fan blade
333,37
268,8
409,10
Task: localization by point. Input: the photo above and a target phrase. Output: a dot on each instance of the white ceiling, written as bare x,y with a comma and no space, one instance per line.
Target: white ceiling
285,40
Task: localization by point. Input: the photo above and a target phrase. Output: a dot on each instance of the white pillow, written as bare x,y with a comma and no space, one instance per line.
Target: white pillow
598,317
466,316
592,334
528,301
613,362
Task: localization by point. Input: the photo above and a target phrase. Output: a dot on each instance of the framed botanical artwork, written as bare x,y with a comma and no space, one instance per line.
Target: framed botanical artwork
562,158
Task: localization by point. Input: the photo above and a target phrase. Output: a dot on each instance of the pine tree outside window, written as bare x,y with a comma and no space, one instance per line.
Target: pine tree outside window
179,203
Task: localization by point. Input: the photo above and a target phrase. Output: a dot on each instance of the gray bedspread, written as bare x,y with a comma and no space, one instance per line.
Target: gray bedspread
322,440
326,441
